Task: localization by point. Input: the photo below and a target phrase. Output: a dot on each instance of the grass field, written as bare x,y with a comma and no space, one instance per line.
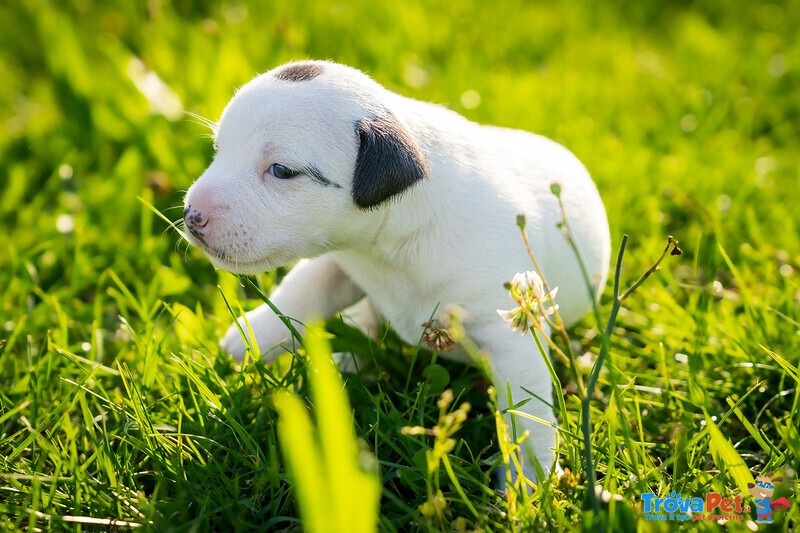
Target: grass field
117,407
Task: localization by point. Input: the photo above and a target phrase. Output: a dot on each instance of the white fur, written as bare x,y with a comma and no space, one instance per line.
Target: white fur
450,239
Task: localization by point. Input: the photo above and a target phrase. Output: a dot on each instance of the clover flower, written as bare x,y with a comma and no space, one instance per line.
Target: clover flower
527,289
437,336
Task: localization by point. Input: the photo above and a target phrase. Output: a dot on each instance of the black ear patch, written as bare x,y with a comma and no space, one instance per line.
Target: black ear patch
299,71
388,163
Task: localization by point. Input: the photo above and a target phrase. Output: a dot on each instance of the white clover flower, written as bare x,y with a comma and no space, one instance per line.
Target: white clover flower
515,319
527,285
527,289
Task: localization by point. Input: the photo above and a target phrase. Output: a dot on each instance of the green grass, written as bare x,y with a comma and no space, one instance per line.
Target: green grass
116,402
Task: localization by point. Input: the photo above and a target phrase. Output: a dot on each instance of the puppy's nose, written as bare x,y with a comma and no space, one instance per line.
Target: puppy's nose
194,219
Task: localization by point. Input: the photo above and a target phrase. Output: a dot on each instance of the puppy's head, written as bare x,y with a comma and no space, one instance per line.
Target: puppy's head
304,155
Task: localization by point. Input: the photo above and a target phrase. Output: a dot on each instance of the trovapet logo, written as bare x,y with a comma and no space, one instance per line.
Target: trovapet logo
713,506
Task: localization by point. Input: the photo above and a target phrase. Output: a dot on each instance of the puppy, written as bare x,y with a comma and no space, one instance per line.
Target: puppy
402,202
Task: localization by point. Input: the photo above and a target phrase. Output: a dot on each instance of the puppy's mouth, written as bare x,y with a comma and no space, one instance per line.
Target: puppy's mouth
196,238
229,263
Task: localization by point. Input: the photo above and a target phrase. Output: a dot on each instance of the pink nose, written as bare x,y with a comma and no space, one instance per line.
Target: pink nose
195,220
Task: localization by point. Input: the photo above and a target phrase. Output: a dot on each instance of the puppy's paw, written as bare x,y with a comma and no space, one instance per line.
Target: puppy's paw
268,330
500,478
233,343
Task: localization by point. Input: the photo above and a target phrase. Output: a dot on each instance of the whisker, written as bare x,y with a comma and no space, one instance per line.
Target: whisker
178,225
203,121
162,216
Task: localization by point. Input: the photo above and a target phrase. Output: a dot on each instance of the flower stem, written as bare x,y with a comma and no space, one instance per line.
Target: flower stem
671,242
558,325
586,421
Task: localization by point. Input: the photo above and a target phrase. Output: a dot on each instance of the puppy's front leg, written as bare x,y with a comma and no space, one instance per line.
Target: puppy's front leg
314,287
518,366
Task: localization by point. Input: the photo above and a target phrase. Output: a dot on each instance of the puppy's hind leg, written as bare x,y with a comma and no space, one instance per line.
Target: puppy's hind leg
313,288
518,367
364,317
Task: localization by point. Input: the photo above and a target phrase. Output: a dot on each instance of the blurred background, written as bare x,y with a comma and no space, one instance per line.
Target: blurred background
666,103
687,114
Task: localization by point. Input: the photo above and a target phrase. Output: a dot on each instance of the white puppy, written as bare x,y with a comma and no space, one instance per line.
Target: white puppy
401,201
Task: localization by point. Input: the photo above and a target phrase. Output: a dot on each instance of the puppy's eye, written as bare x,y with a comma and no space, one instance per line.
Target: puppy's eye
282,171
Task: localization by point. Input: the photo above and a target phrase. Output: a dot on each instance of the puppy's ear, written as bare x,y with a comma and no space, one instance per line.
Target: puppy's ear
388,163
